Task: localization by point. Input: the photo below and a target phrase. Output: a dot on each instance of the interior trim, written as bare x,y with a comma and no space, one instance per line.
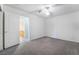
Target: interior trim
3,30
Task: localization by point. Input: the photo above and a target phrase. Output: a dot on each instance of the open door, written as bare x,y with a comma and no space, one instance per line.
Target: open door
24,29
11,29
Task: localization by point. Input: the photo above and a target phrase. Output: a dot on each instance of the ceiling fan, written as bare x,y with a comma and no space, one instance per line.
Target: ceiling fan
47,9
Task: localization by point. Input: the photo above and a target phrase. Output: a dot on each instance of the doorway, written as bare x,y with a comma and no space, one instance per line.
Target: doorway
24,29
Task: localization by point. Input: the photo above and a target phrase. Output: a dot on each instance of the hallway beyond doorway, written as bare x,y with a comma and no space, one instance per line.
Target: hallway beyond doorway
24,29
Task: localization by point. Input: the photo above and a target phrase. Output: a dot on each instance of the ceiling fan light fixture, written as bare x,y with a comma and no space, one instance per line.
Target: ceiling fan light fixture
46,12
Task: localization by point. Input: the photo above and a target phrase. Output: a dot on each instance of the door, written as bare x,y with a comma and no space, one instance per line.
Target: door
11,29
1,30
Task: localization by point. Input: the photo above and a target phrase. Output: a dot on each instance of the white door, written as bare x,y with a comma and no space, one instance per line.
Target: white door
11,29
1,30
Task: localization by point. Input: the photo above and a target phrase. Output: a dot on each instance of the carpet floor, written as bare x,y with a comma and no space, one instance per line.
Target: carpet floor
44,46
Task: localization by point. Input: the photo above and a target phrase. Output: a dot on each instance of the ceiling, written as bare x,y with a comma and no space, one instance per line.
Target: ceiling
58,9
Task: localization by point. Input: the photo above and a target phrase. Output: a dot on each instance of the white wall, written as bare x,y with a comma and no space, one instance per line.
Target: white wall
65,27
1,30
36,23
37,26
